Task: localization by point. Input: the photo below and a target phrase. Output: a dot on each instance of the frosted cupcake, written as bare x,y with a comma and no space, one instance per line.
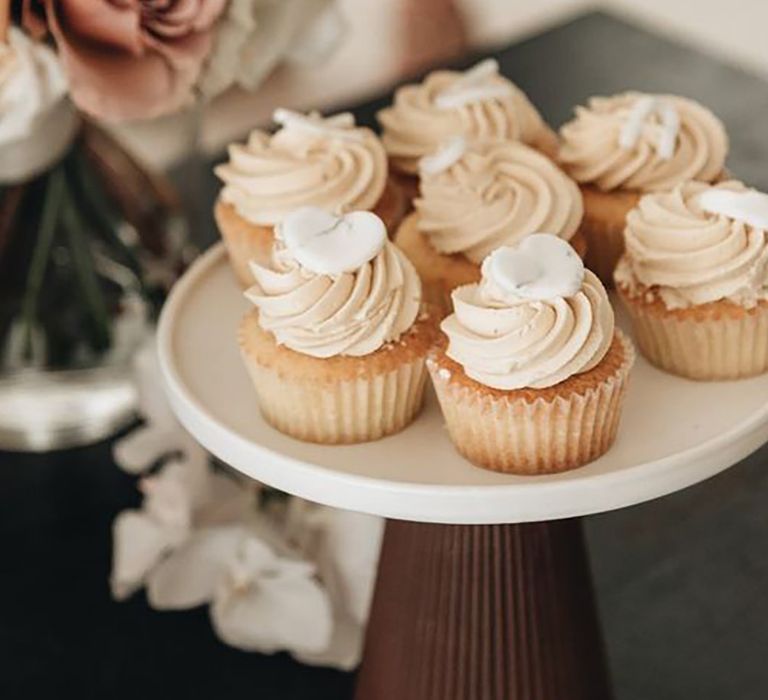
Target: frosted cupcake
310,161
695,280
620,147
337,343
479,104
533,374
475,198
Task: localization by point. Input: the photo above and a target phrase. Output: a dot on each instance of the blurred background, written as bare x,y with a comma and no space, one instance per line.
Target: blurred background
386,40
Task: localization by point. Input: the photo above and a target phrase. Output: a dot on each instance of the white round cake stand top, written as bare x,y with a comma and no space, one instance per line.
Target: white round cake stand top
674,432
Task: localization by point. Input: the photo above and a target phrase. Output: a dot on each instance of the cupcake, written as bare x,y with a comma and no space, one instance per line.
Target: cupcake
695,279
479,104
619,147
532,373
475,198
337,343
310,161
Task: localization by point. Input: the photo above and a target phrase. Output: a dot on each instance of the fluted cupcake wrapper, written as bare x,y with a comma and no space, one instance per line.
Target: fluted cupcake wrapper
348,411
518,436
718,347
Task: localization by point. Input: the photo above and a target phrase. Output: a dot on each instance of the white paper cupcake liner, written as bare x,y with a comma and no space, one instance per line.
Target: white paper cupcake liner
512,434
349,411
719,347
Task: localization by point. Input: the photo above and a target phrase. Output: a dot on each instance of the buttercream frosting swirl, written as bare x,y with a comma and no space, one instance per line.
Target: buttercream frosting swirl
514,343
311,161
496,194
352,313
686,256
675,141
416,124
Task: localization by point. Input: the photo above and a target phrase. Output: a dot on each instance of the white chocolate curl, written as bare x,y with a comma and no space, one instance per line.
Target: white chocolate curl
330,245
670,125
542,267
444,158
473,86
749,206
338,125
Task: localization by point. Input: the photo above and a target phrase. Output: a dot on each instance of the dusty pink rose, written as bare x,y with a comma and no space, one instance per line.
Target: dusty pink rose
128,59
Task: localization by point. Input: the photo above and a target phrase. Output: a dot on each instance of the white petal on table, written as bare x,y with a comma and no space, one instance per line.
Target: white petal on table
344,649
143,446
138,542
269,604
349,557
189,576
168,497
345,547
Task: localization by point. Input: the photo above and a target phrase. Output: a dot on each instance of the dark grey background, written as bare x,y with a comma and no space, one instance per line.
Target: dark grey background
682,581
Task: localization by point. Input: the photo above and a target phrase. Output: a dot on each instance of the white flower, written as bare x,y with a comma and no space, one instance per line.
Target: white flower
183,495
256,35
138,544
142,537
298,578
37,122
266,603
260,601
345,548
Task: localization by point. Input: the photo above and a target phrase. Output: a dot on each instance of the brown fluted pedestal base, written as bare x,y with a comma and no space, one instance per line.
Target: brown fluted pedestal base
483,612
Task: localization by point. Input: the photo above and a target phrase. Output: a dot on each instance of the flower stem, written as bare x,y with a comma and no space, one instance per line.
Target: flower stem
105,220
85,271
54,196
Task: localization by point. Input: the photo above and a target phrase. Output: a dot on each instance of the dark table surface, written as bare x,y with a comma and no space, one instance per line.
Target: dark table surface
682,581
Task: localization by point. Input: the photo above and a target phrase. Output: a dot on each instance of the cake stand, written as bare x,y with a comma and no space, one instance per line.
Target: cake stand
483,591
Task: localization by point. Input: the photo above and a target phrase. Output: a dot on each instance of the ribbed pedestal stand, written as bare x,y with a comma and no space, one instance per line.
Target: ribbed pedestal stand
483,612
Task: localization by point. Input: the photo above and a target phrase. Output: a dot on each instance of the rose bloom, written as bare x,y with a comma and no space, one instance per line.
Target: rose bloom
128,59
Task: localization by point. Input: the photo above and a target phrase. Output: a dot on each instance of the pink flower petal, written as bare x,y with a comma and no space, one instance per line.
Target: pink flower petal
130,59
101,22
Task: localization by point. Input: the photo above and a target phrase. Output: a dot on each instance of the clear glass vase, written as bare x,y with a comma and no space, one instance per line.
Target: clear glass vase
88,251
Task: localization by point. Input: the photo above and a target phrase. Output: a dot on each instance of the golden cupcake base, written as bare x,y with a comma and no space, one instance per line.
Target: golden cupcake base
716,341
534,431
339,399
